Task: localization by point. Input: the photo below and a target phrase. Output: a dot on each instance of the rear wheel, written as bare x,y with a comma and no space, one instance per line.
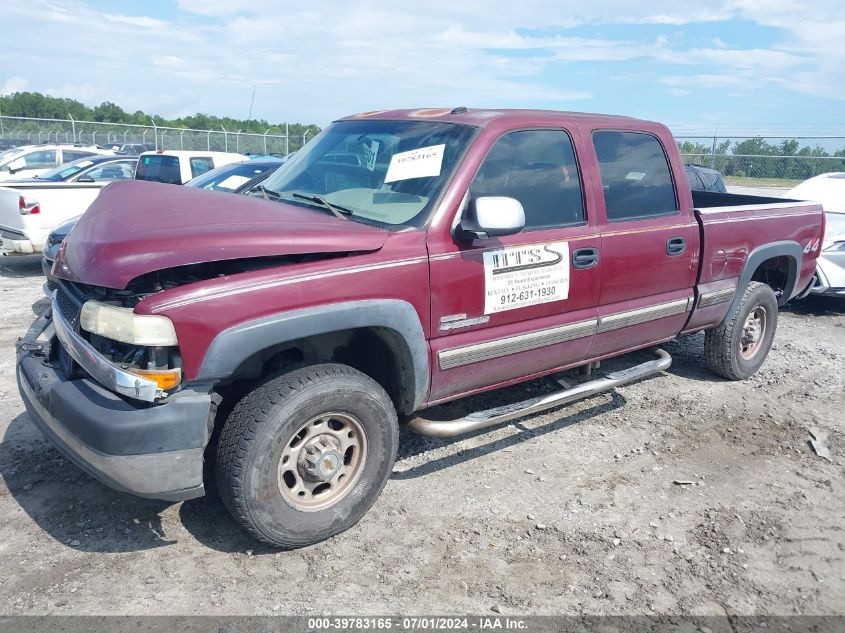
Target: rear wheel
305,455
737,349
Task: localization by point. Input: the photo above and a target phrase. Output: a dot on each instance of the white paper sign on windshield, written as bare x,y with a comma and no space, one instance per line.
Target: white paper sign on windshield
417,163
232,182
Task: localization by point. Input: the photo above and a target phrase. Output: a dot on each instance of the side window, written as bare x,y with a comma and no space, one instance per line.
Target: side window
635,176
41,158
111,171
69,155
538,168
200,166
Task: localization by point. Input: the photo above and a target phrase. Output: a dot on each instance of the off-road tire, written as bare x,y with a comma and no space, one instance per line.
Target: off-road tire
723,345
260,428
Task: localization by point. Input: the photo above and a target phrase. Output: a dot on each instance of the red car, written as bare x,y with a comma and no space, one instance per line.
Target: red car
400,260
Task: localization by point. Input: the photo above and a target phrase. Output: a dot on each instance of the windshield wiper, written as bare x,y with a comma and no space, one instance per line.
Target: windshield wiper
268,194
341,212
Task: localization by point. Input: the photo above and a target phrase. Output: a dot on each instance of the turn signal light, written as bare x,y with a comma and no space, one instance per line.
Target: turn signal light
164,378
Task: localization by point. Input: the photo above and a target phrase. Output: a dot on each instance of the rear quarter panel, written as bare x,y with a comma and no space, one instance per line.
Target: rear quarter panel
731,234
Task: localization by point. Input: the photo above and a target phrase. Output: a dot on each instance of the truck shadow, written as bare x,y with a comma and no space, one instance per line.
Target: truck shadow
20,267
816,306
413,446
68,504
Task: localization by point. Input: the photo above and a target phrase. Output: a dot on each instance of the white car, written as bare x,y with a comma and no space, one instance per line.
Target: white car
829,190
176,167
31,208
32,160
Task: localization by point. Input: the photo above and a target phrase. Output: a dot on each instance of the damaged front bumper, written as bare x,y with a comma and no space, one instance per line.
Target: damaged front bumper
149,450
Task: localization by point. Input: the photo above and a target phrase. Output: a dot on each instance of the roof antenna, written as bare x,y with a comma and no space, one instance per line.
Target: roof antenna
459,110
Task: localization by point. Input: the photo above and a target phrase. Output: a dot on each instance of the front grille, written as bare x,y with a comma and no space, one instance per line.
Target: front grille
70,308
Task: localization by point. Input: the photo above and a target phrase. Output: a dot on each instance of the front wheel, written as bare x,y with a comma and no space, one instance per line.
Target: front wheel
737,349
304,456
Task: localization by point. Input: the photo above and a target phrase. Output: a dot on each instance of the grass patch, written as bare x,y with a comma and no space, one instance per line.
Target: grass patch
761,182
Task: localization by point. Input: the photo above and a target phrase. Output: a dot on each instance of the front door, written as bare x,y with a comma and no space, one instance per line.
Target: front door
508,308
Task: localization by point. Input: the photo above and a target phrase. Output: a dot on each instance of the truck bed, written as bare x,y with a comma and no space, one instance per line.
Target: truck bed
739,233
713,199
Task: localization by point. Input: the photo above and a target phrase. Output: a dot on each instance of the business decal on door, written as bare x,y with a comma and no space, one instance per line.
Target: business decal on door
525,276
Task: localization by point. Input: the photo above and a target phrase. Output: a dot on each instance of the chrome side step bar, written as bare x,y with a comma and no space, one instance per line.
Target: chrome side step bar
505,413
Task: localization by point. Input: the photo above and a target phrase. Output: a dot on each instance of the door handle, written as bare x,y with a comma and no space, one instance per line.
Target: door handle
676,246
585,258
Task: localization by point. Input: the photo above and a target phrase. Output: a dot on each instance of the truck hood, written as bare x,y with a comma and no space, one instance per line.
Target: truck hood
136,227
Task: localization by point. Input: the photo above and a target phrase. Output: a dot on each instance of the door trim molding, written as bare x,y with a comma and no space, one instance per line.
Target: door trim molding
497,348
642,315
459,356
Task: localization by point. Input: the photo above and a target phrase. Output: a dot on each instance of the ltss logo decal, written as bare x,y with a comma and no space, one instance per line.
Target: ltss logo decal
525,275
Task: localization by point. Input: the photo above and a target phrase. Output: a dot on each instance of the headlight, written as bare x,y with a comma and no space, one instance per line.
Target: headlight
834,246
122,324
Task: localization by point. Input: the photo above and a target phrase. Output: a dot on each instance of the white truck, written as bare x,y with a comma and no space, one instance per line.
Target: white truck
176,167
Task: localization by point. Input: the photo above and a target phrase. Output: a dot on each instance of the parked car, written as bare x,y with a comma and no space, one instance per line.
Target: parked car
829,191
230,177
703,178
465,251
31,208
32,160
178,167
91,168
51,248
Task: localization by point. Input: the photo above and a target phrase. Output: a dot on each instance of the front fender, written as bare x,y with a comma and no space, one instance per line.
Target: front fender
231,347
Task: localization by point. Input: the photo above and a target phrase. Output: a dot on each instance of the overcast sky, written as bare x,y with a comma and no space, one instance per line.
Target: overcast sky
745,62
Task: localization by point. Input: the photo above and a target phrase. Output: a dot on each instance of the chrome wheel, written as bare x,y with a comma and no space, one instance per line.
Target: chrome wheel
752,332
322,461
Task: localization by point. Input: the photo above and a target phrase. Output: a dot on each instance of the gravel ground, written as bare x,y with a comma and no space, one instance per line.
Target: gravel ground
575,511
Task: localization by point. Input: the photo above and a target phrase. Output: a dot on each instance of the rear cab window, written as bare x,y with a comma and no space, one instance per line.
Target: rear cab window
159,168
635,176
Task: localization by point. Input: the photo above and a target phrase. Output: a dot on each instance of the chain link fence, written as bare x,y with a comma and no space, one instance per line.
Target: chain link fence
759,165
767,166
21,130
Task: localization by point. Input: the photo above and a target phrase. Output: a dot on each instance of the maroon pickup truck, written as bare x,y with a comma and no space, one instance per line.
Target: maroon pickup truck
400,260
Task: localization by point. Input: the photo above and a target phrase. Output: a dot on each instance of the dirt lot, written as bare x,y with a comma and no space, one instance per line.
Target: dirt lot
574,511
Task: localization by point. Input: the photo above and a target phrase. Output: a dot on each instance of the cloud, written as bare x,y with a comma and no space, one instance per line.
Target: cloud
314,62
14,84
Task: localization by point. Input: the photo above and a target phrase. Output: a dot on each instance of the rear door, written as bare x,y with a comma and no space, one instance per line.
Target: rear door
649,244
511,307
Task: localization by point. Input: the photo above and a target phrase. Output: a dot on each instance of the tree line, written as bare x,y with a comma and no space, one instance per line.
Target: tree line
37,105
758,158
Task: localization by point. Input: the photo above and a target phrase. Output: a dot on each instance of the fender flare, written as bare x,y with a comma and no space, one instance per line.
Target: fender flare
794,254
233,346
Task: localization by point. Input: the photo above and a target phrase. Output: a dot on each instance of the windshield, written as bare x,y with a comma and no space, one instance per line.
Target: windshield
63,172
387,173
230,177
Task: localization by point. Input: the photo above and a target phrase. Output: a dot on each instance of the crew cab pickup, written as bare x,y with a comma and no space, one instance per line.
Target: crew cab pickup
461,251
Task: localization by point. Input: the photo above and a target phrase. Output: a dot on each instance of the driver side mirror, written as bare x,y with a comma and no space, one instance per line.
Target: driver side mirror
491,216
